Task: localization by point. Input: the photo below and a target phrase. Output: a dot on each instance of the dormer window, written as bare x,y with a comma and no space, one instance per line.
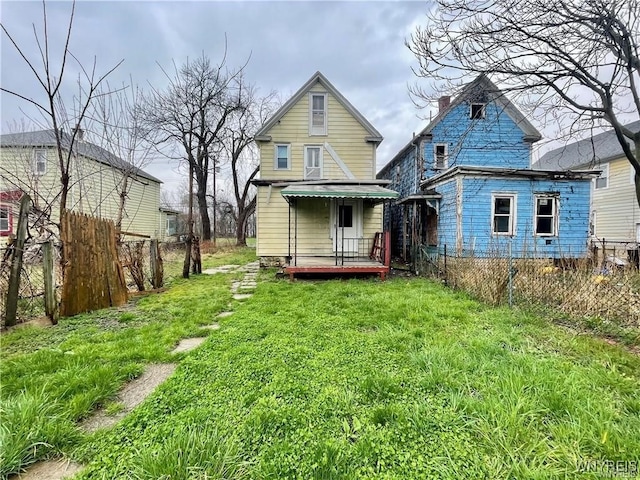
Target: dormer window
317,114
477,111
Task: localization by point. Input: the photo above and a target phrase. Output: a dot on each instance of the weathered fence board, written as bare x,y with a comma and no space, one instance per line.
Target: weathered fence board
16,262
93,275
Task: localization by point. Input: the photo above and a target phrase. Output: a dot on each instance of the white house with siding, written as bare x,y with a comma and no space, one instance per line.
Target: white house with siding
615,215
29,163
319,204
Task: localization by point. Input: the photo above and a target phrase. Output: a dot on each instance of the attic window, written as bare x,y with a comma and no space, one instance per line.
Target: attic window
317,114
440,155
477,111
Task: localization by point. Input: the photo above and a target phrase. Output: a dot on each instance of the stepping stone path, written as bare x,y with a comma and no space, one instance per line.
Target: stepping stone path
140,388
49,470
244,288
188,344
131,396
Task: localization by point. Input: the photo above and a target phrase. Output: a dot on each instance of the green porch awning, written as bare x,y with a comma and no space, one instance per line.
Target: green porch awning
369,192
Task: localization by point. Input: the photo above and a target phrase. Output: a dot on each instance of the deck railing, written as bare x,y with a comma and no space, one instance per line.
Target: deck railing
354,250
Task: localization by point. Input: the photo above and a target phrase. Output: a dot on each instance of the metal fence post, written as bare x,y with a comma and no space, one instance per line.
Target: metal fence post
510,273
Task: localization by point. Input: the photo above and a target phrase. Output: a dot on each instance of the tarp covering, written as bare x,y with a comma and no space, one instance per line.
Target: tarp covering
371,192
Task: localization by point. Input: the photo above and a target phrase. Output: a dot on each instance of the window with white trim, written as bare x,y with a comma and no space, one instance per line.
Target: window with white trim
39,161
172,225
503,212
5,220
317,114
440,157
282,157
312,162
477,111
603,180
546,216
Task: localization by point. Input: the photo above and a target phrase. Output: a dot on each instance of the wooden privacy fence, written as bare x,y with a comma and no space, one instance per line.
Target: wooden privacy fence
93,275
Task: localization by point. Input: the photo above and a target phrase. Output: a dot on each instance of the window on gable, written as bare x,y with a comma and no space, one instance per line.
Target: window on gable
312,162
440,156
503,214
318,114
477,110
546,216
603,180
6,220
39,162
282,157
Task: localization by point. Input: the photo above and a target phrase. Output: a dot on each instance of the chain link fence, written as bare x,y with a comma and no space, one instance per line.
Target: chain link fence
605,288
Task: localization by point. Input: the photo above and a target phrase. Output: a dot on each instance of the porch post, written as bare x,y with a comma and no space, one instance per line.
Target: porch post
334,206
342,233
295,250
289,232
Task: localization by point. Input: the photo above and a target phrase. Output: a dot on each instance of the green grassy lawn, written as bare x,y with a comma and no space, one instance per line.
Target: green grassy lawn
329,379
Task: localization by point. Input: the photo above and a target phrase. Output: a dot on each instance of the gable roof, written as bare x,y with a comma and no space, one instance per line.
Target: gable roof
481,83
47,138
592,150
263,133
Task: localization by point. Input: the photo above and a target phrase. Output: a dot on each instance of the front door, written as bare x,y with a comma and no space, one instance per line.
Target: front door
347,224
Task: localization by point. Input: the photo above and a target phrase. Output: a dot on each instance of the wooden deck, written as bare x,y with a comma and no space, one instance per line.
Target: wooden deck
327,265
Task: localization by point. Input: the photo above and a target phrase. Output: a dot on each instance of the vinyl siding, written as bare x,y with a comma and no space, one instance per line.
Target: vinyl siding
344,134
94,189
616,208
314,224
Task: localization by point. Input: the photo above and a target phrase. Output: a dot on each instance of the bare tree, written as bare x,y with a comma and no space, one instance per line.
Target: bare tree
193,112
116,124
240,148
53,107
577,62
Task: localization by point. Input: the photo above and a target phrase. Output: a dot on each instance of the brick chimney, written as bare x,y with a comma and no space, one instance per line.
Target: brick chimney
443,103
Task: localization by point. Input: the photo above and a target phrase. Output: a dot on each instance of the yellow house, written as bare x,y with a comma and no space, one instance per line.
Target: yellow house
319,205
29,163
615,215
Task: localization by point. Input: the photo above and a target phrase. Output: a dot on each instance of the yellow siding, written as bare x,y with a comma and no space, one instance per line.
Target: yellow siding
344,133
617,212
346,137
94,189
314,225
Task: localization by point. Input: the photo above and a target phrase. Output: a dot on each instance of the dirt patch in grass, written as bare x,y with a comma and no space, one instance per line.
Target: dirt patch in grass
49,470
131,396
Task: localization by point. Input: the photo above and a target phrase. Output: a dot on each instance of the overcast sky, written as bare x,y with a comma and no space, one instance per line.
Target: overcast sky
358,46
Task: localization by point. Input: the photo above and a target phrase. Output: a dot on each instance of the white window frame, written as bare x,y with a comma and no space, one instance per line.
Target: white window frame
593,221
483,107
512,215
7,209
603,176
172,220
275,156
554,215
445,158
40,158
313,129
307,148
632,175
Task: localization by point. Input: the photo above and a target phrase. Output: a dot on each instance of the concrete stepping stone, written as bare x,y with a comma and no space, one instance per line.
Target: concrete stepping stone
49,470
131,396
224,314
242,296
188,344
213,326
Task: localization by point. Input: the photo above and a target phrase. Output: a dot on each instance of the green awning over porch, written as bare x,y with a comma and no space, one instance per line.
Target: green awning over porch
370,192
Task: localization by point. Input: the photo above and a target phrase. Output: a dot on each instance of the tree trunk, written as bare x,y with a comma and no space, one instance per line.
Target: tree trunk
204,214
241,238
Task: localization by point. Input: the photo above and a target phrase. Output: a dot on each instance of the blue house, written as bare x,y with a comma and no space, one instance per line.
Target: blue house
466,184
